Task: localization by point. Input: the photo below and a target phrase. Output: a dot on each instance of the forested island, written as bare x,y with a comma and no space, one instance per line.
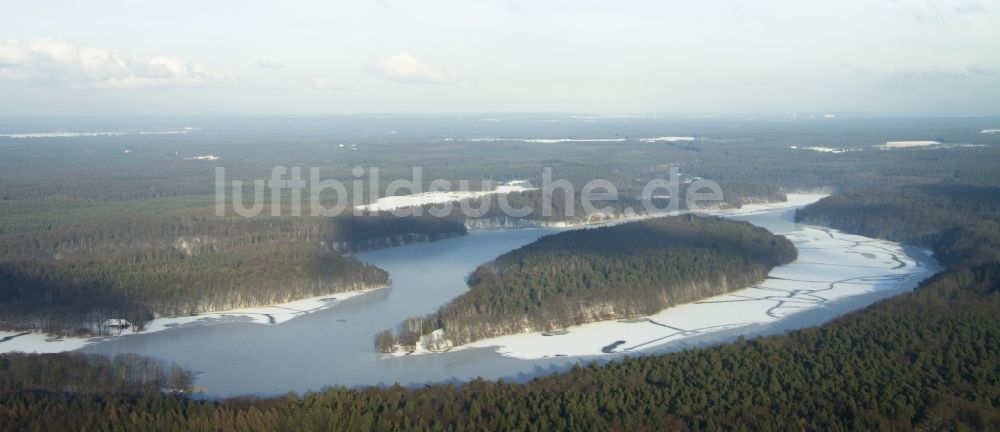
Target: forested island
622,271
79,278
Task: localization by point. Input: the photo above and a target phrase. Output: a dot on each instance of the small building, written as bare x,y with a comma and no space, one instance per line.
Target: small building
117,323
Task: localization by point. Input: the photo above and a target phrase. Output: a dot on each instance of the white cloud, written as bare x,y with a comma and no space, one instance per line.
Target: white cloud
269,64
57,62
980,70
971,9
403,67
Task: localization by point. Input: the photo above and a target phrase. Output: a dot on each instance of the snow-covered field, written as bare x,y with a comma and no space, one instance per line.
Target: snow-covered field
93,134
269,315
426,198
60,134
834,150
574,140
667,139
907,144
538,140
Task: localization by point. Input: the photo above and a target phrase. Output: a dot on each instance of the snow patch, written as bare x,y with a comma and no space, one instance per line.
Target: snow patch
539,140
667,139
203,157
427,198
834,150
906,144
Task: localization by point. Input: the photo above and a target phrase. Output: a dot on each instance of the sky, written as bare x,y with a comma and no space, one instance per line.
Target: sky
918,57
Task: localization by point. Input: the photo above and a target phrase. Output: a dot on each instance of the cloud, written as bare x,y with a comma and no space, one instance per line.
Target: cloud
924,74
405,68
57,62
955,83
267,64
971,9
931,12
854,68
980,70
517,8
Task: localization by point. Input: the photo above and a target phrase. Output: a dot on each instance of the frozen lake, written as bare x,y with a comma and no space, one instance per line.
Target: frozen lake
335,346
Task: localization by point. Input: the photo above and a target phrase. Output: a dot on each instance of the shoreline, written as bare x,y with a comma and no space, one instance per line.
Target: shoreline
793,200
789,293
40,342
274,314
833,268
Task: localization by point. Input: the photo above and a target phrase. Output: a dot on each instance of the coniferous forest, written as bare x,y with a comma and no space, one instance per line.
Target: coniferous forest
74,214
926,361
499,215
73,278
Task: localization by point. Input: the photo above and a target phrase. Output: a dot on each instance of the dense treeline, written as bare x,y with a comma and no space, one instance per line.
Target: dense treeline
562,206
913,214
90,373
926,361
729,150
74,278
48,182
959,221
613,272
356,233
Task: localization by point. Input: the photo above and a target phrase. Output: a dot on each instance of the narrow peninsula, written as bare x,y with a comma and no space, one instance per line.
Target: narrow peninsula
622,271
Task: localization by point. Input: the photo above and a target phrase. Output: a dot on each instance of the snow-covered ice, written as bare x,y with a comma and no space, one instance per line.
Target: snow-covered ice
792,200
270,315
831,266
39,342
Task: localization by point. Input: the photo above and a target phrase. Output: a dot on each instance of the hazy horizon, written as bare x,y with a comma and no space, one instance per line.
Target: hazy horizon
124,57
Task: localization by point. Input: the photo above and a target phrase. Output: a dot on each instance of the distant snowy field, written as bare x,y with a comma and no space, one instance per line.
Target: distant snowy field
427,198
574,140
59,134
